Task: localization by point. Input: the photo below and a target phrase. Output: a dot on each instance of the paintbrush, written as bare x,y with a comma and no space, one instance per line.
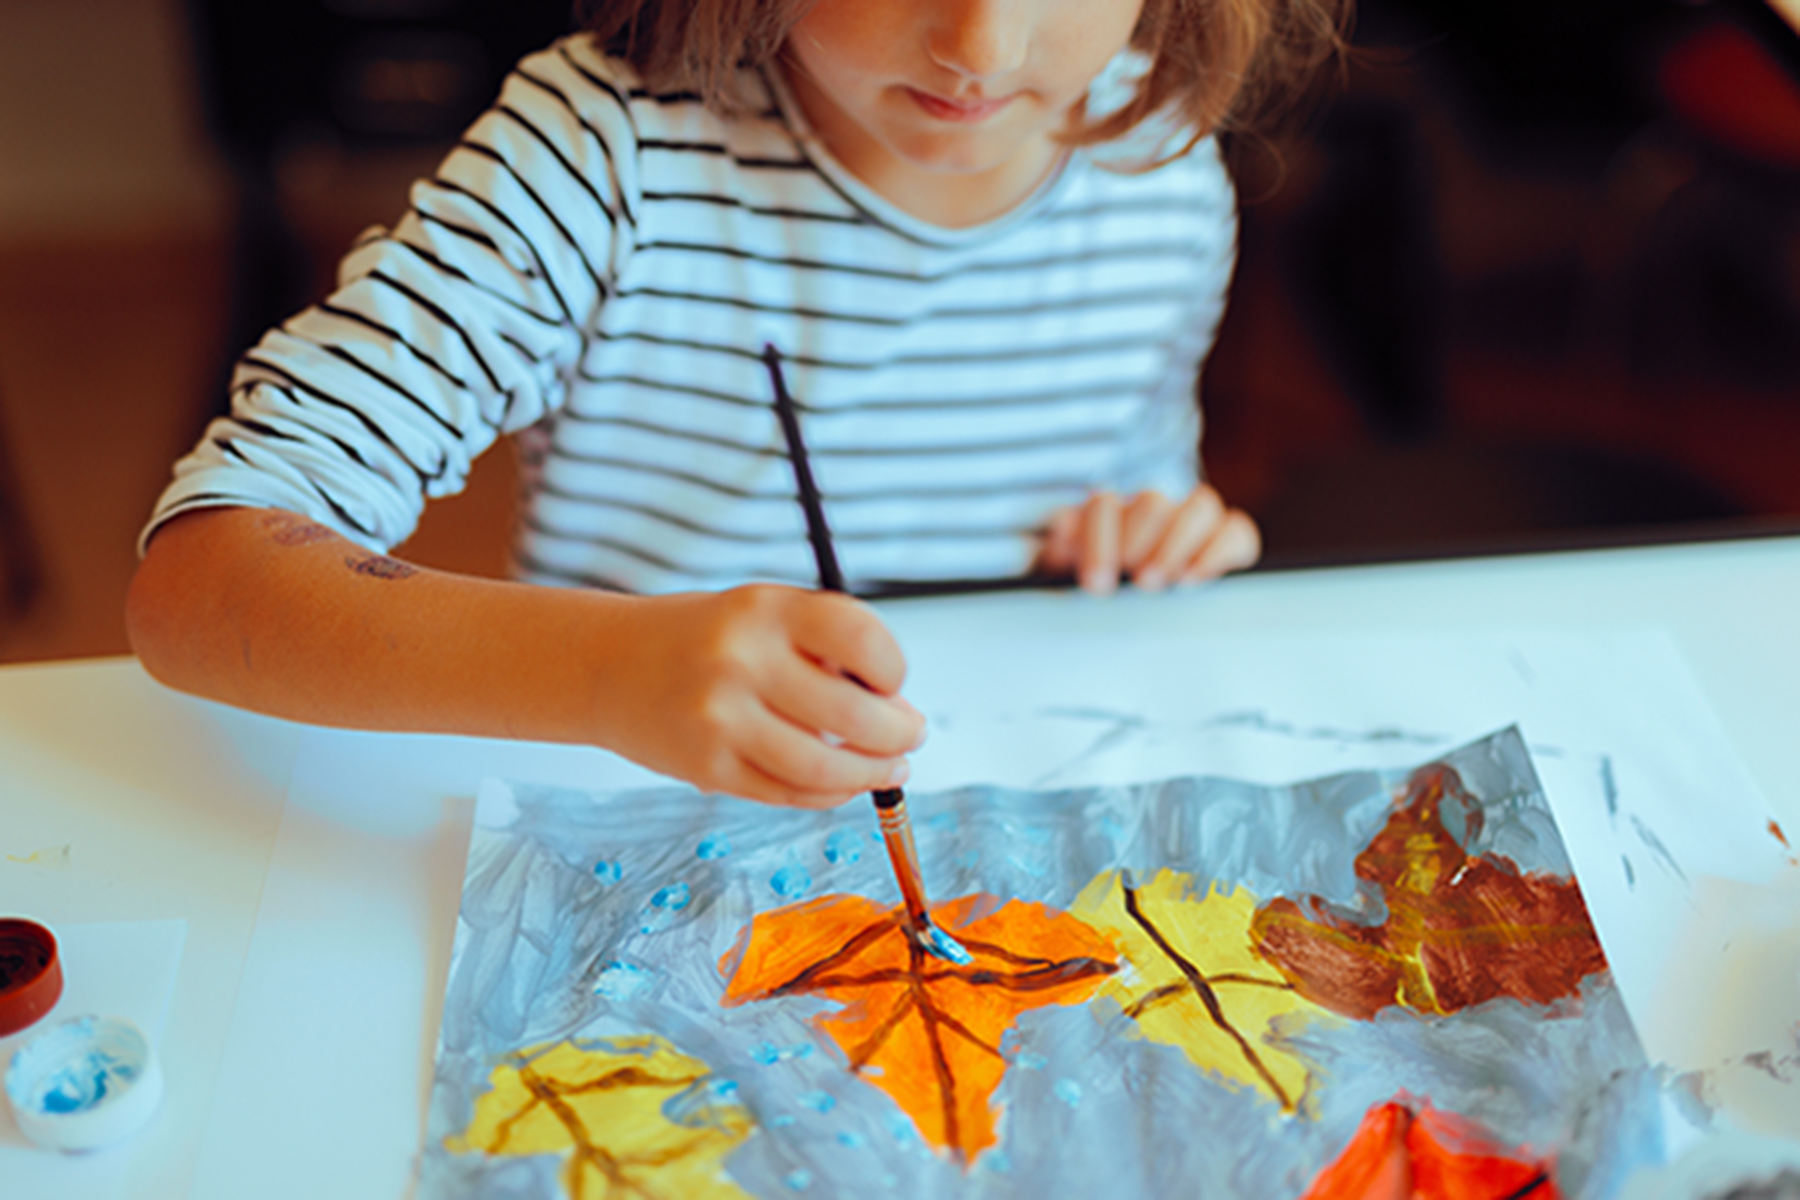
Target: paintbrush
890,803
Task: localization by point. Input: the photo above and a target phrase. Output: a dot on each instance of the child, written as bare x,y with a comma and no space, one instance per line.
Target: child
991,313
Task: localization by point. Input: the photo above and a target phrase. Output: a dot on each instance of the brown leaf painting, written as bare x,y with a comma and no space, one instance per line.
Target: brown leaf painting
1197,983
1402,1154
925,1031
1460,929
605,1104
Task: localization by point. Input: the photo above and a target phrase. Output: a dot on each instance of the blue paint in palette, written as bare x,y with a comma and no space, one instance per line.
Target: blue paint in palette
819,1102
713,848
84,1083
799,1179
608,872
1068,1091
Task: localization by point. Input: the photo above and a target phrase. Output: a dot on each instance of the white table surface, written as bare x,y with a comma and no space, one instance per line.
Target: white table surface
171,806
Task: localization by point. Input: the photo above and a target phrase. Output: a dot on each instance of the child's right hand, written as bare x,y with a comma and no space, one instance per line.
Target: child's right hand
746,692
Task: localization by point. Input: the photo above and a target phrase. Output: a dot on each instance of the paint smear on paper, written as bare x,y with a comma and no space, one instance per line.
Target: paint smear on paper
1199,984
51,858
632,1117
1400,1154
925,1031
1459,929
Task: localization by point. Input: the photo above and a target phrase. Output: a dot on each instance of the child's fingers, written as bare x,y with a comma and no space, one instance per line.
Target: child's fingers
753,783
1189,529
1143,526
802,762
1062,542
1099,553
846,634
1237,544
812,696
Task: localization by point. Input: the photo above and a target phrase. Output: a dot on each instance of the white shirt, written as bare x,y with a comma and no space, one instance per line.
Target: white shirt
598,269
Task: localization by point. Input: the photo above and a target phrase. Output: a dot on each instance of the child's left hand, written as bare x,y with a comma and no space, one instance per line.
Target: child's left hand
1150,539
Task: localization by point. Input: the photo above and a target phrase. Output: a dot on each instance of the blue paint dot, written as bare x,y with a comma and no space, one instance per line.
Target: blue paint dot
791,882
851,1138
843,847
1068,1091
675,897
819,1102
608,872
725,1089
781,1121
799,1179
768,1053
901,1128
712,848
621,981
1031,1062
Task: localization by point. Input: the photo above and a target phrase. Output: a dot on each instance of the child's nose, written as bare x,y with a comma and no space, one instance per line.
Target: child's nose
980,39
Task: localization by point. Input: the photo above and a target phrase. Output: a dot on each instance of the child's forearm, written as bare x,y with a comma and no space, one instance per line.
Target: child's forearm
730,691
269,611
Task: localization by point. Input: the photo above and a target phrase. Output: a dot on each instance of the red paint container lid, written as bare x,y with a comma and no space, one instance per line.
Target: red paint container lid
31,978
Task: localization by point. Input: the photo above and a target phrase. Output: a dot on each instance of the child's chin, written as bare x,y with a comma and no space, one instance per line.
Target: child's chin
965,152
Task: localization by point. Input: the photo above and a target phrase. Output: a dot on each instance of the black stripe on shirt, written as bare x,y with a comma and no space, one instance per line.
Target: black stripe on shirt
1098,435
1153,251
783,214
1069,485
444,319
293,385
1011,354
394,335
344,356
543,269
911,404
601,285
1037,308
784,537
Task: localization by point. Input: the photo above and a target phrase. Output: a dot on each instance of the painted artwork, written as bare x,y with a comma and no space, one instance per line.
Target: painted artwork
1372,984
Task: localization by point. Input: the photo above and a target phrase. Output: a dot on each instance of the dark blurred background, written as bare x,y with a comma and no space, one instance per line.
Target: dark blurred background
1527,274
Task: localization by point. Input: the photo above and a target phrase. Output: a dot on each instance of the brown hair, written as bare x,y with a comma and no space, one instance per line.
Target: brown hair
1215,64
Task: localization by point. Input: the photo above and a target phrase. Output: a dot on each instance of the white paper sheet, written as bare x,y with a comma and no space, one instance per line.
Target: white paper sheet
367,867
116,969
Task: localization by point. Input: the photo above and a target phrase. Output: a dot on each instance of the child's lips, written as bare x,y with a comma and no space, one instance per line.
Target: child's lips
962,111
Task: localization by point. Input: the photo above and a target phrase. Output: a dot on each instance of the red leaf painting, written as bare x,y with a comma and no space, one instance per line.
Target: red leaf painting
1400,1154
1460,929
925,1031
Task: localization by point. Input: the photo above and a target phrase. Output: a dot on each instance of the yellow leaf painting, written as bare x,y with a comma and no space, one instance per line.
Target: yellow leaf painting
1197,983
606,1104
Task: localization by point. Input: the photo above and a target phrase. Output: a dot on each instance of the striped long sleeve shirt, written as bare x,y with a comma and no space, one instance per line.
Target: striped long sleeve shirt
597,268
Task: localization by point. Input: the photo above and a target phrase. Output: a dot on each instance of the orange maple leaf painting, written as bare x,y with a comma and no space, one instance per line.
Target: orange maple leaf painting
1399,1154
1460,929
925,1031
